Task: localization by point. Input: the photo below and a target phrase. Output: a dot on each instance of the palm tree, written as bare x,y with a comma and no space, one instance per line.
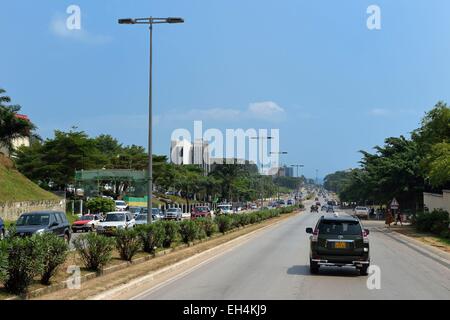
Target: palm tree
11,127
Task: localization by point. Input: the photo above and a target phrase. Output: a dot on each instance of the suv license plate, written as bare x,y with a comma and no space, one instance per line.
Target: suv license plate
340,245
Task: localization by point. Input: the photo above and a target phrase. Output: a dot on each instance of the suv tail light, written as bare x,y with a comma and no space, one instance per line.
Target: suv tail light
365,236
315,235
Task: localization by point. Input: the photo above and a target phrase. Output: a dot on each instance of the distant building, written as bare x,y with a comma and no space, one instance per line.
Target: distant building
184,152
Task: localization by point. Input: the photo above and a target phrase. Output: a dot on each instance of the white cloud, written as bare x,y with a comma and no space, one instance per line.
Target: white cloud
379,112
268,111
59,28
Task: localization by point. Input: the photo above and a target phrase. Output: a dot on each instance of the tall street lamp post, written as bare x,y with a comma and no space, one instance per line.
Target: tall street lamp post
278,172
297,166
262,161
150,21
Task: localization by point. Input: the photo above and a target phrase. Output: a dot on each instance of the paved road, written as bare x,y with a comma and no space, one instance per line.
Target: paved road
275,265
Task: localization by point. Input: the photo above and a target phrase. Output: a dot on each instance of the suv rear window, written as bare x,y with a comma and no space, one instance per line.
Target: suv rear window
340,227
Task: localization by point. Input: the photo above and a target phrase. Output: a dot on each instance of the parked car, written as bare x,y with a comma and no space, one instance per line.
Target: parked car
135,210
114,221
362,212
200,212
2,229
173,214
44,221
339,240
290,202
253,206
225,209
87,222
121,205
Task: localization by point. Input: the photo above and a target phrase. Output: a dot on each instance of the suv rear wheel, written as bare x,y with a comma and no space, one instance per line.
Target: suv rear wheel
313,267
364,271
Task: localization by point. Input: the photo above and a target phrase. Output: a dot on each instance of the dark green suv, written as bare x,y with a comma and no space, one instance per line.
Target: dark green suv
339,240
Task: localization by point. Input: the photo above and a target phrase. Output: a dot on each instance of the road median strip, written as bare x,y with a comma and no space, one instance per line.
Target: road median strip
159,261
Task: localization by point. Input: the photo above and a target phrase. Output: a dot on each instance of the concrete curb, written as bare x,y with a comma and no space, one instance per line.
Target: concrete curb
92,275
135,282
425,249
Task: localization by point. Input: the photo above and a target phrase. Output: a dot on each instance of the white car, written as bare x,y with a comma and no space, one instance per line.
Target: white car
116,220
225,208
362,212
121,205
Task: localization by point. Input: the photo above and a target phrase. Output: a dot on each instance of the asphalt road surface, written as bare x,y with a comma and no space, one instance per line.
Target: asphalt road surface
275,265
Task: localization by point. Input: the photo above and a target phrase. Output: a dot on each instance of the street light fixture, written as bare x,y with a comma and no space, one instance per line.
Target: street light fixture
262,161
278,173
150,21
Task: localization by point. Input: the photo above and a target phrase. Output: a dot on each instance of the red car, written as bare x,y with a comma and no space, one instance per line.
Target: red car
200,212
87,222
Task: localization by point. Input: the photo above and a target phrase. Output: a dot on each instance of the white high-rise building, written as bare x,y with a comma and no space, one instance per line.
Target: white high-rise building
184,152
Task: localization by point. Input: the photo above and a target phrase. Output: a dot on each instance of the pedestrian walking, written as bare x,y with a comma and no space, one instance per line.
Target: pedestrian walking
399,218
389,218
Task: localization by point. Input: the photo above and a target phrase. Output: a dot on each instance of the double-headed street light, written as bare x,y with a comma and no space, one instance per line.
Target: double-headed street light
150,21
298,166
278,172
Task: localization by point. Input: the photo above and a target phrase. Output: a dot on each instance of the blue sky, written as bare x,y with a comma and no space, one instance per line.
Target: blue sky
312,69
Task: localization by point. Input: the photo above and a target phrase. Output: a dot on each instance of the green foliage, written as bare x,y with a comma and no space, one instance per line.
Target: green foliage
11,126
171,232
437,165
54,251
434,222
100,205
128,243
224,223
25,261
152,236
95,250
189,231
3,259
207,225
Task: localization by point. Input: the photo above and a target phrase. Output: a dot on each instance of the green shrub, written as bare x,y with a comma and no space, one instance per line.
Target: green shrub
171,229
207,225
128,243
189,231
54,250
445,234
253,218
24,262
3,260
152,236
100,205
435,222
224,223
95,250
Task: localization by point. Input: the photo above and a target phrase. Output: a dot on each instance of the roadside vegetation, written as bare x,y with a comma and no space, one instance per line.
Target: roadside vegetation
37,259
402,168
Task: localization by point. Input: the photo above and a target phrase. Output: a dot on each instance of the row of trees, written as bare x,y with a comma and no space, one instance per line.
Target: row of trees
403,167
51,163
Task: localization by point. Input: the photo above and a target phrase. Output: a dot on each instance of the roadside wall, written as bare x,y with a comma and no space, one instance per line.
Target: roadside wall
436,201
12,210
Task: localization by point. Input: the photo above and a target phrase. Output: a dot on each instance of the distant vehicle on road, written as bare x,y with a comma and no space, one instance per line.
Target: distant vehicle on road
290,202
87,222
121,205
116,220
173,214
44,221
324,208
339,240
135,210
2,229
362,212
314,208
225,209
200,212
